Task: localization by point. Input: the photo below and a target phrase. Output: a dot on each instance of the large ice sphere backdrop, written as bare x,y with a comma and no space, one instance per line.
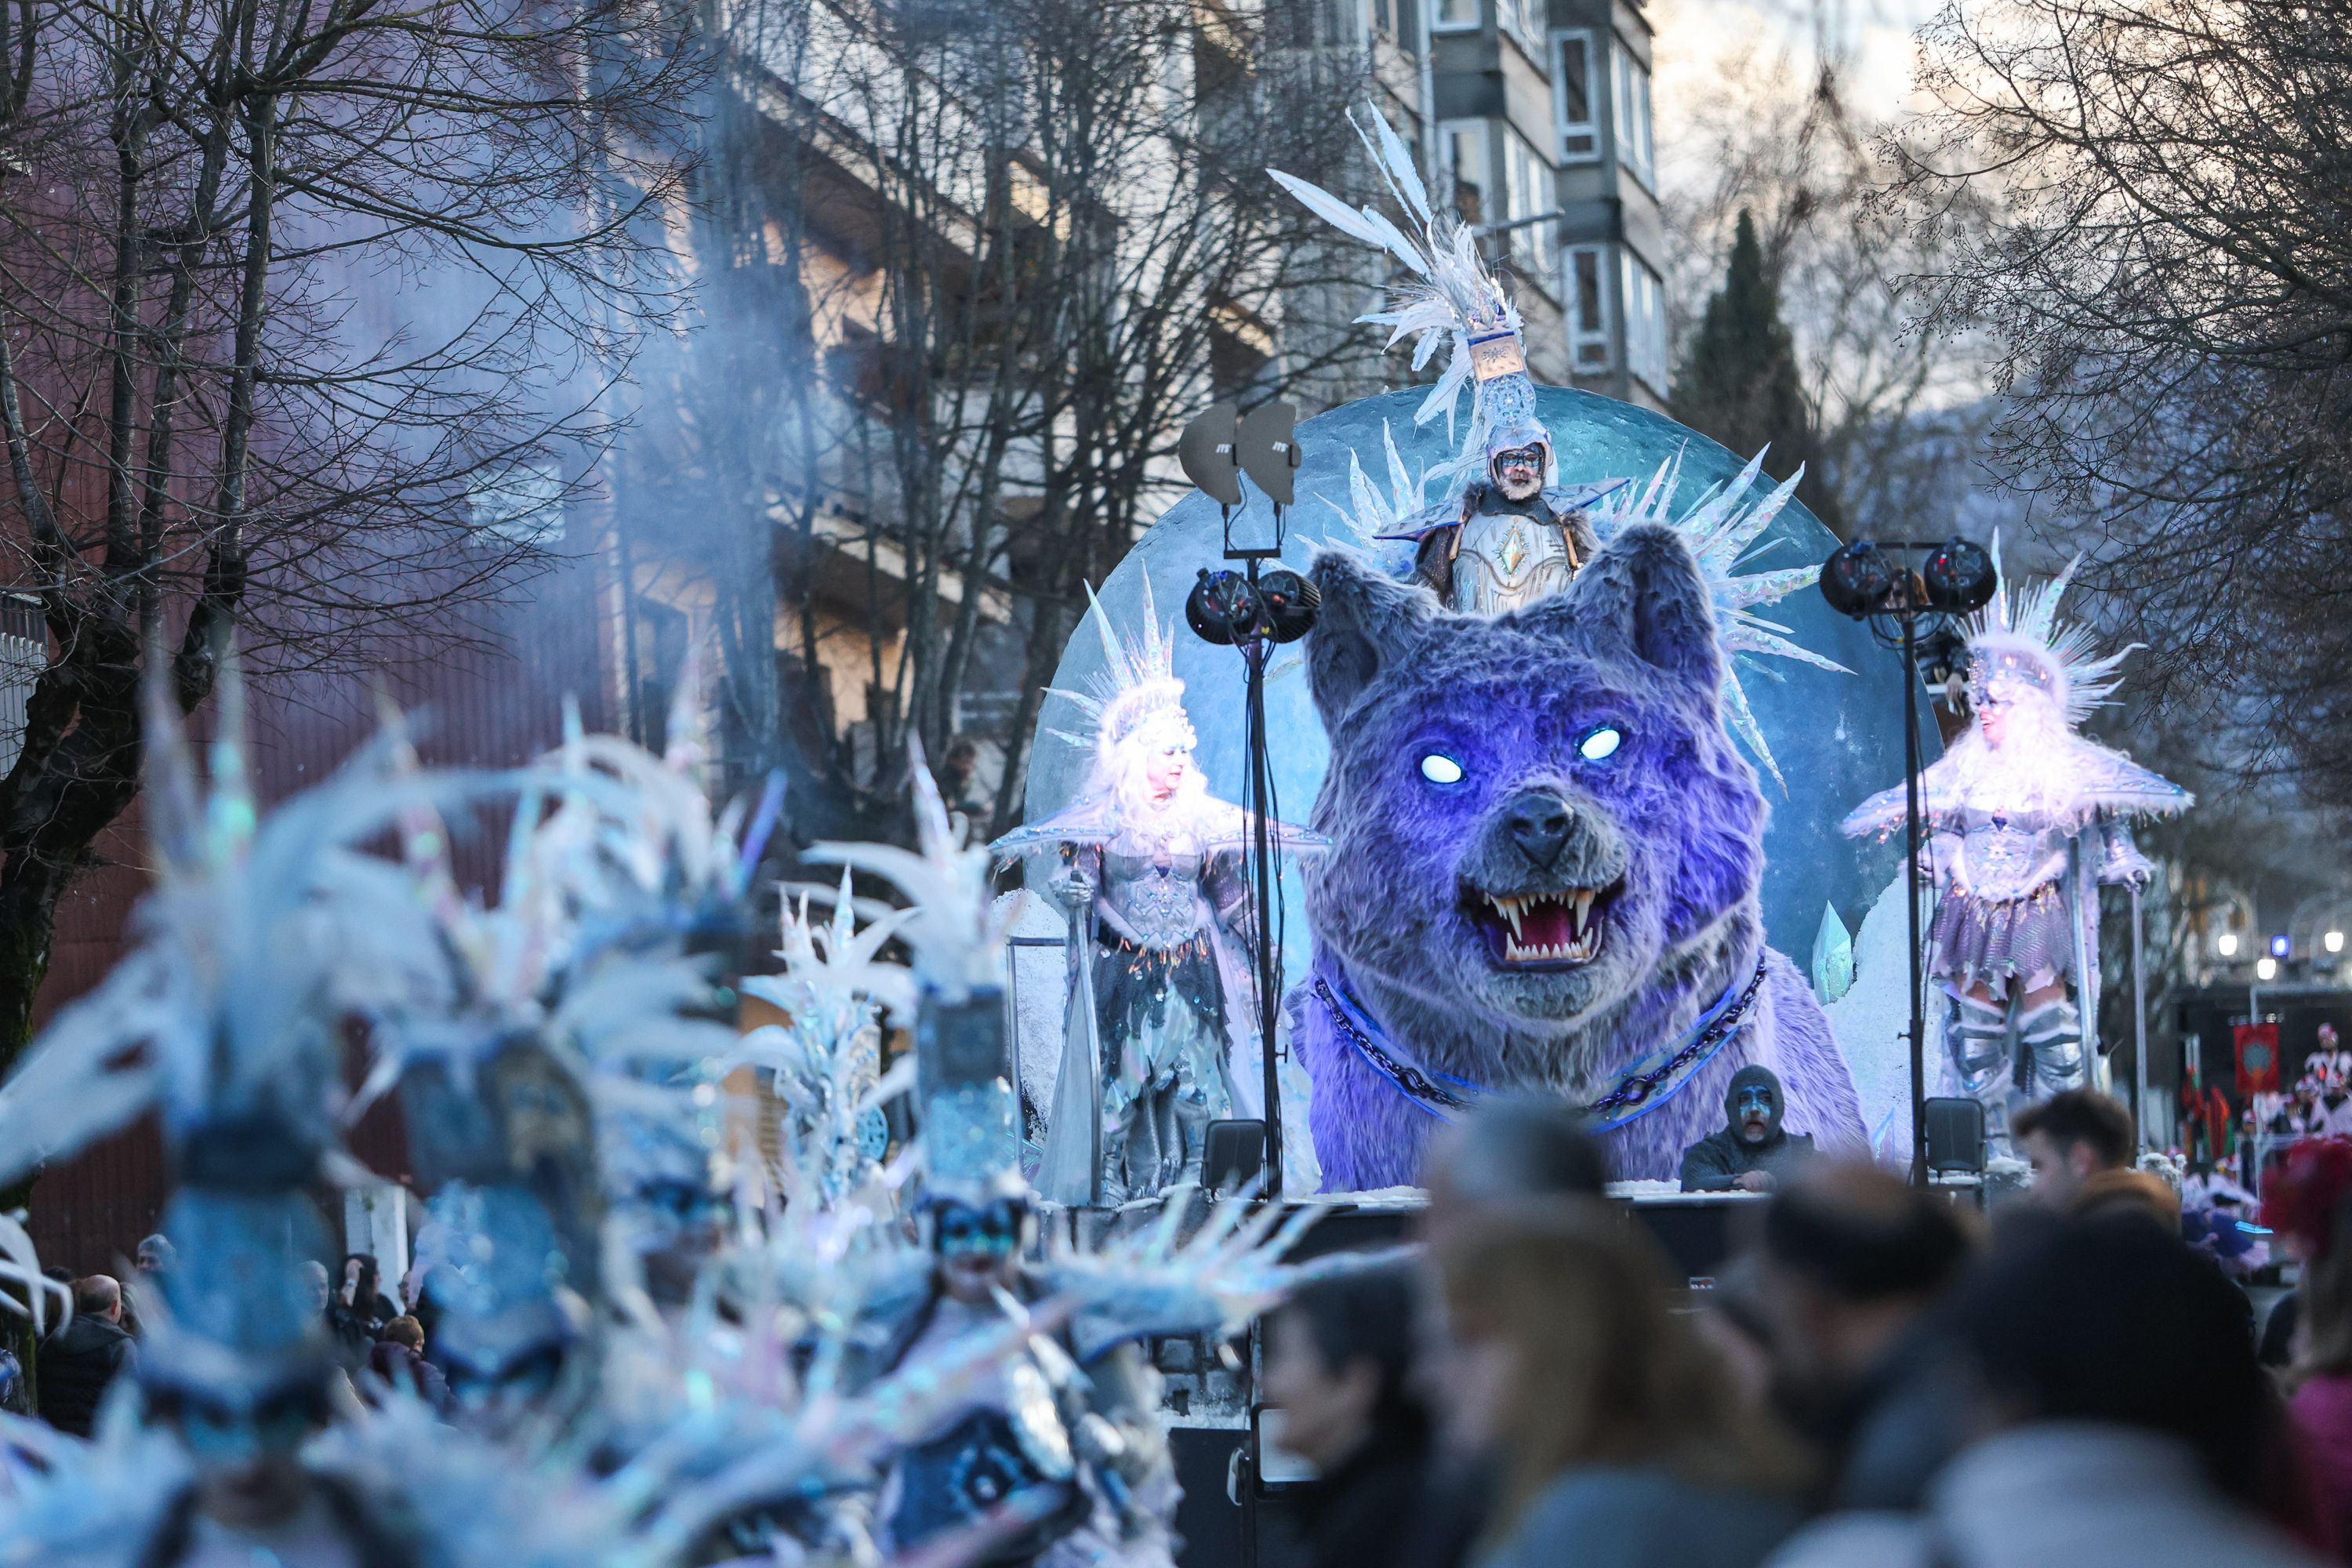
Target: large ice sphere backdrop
1835,737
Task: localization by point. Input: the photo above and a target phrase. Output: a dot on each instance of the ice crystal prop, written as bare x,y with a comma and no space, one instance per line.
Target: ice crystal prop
825,1063
957,936
1450,298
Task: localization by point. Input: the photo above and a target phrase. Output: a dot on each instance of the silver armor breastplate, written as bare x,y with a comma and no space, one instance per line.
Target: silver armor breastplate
2005,857
1507,561
1161,904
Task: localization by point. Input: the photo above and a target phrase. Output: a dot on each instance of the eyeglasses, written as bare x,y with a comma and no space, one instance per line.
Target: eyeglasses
1520,458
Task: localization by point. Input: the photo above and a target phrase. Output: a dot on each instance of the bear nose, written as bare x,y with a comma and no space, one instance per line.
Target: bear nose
1538,823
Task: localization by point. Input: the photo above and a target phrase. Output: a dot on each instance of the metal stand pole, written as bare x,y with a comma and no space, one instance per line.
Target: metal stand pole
1911,891
2139,1026
1254,654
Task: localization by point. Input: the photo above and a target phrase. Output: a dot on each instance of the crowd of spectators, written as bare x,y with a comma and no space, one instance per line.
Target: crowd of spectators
378,1346
1882,1376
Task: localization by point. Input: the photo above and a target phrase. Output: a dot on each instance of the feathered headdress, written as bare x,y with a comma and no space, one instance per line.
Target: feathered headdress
1137,688
1450,293
2018,639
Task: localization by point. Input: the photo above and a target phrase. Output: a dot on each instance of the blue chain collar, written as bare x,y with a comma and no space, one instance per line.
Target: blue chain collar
1651,1081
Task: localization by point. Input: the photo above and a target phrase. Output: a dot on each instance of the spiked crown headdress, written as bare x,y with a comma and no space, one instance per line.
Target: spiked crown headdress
2018,640
1450,293
1137,689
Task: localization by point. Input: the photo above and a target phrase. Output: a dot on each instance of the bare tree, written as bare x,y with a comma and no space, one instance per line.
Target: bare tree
1013,248
2170,280
308,313
1894,408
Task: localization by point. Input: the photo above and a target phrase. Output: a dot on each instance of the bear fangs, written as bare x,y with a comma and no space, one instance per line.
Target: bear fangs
1540,928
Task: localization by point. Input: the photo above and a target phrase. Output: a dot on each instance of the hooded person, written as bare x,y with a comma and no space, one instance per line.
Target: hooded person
1753,1152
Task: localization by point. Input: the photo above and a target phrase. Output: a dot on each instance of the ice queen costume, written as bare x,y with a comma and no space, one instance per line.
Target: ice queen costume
1161,1034
2023,834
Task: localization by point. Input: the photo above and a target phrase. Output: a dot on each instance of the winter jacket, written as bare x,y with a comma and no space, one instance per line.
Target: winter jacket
77,1365
2057,1494
1643,1516
1364,1513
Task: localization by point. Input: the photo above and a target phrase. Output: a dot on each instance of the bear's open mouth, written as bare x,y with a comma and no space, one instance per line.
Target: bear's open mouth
1534,930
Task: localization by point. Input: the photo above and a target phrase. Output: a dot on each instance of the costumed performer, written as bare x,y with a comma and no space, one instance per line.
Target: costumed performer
2027,820
1162,1032
1752,1152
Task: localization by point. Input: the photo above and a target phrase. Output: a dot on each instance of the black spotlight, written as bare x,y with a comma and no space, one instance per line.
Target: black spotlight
1290,602
1222,608
1959,577
1225,607
1858,579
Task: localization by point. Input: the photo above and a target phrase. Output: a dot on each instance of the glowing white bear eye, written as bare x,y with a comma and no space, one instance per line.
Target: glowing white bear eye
1600,745
1439,768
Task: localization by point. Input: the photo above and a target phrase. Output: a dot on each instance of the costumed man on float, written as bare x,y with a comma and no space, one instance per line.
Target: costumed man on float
1512,537
1162,1032
1752,1152
2028,819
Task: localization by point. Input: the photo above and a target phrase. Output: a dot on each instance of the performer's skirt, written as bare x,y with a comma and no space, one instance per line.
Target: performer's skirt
2023,944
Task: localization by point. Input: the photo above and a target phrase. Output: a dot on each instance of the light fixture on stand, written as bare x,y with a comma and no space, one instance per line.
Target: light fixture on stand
1874,582
1253,610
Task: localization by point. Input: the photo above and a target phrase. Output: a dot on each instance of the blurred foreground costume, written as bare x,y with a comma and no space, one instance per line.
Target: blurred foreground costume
1161,1037
2028,819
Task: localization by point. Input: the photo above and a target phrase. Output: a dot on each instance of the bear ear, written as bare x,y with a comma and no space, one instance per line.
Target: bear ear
1642,599
1368,622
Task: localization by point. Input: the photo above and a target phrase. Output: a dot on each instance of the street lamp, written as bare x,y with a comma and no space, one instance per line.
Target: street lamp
2333,941
1869,583
2226,944
2266,968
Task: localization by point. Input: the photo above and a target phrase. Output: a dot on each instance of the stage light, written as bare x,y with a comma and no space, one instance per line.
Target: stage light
1959,577
1858,580
2333,941
2226,944
2266,968
2279,948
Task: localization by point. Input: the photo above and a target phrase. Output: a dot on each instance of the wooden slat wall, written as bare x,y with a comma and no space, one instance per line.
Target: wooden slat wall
492,710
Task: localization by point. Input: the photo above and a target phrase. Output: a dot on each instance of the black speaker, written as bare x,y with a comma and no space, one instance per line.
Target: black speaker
1233,1154
1955,1135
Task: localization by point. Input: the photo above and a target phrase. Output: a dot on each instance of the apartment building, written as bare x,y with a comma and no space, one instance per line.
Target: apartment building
1536,115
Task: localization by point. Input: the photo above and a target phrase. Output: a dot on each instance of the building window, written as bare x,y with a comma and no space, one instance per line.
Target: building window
1524,19
1455,16
1464,167
1645,322
1584,287
1572,96
1631,78
1528,196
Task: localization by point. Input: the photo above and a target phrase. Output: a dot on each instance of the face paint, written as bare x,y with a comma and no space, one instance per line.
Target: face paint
1755,1112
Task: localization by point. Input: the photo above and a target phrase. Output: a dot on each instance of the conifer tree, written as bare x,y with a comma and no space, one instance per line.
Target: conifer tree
1738,380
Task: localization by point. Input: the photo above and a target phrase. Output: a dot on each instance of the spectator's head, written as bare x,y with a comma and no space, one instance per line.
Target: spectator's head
1569,1355
1507,1151
1752,1104
154,1255
2112,1320
1850,1257
2070,1137
314,1275
359,1281
98,1296
1338,1357
404,1331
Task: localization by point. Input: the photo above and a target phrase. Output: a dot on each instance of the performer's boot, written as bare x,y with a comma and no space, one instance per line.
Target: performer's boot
2052,1035
1979,1033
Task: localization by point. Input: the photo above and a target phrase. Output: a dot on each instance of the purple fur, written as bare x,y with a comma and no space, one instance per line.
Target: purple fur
1673,820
